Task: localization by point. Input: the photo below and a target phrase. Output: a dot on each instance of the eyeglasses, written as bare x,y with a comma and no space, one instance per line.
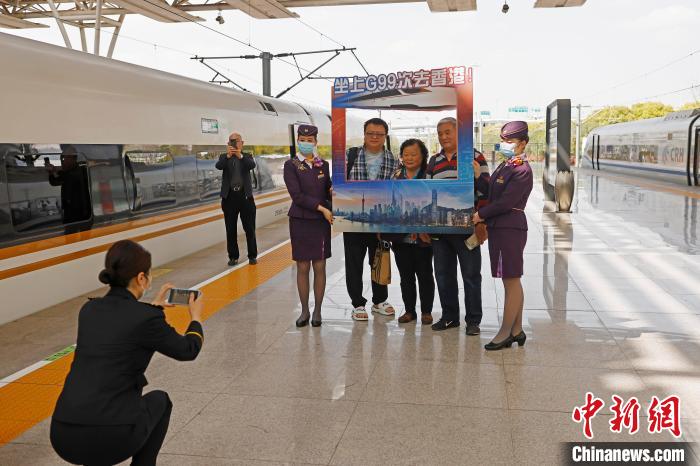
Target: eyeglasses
375,135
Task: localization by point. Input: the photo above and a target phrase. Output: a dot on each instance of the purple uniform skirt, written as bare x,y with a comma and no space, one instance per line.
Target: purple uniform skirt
506,246
311,238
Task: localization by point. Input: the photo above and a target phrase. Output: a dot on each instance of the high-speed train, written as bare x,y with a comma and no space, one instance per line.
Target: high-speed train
143,145
666,148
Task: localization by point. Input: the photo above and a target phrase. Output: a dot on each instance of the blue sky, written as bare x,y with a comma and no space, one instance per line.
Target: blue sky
528,57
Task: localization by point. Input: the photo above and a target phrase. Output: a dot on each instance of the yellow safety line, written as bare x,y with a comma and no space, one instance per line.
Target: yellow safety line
30,399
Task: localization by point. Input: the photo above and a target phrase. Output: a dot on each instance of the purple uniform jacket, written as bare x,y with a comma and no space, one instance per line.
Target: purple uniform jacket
308,187
509,189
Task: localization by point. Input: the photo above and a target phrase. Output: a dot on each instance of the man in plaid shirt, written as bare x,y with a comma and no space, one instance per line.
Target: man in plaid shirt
449,249
372,161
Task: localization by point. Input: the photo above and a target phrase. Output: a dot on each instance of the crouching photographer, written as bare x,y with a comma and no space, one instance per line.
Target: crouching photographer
102,416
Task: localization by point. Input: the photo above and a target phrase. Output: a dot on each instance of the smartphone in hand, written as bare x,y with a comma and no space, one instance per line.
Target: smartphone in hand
181,296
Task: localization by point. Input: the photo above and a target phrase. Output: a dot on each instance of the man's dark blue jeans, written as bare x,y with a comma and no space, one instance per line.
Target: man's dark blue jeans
447,250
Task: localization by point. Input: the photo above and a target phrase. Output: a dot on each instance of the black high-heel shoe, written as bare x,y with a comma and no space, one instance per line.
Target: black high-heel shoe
316,323
302,322
493,346
519,338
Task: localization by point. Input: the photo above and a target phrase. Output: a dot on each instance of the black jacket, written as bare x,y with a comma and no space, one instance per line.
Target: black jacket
226,164
117,336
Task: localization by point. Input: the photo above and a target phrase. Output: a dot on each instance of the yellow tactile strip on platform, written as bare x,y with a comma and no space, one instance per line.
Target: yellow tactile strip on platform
30,399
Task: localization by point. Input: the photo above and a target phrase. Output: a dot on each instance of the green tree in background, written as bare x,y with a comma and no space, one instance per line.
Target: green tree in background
620,114
690,105
605,116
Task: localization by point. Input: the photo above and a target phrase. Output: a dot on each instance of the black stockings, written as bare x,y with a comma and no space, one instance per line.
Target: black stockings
512,310
303,285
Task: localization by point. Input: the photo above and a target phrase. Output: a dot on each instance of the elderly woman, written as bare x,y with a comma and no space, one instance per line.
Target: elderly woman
308,181
509,189
413,252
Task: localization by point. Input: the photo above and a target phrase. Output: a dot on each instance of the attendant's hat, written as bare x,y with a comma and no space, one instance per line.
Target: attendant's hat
307,130
515,130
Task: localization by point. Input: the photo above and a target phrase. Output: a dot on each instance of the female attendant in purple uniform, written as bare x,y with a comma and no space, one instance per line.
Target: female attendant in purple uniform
509,189
308,181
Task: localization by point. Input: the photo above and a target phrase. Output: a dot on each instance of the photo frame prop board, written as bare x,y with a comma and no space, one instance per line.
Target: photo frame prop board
405,206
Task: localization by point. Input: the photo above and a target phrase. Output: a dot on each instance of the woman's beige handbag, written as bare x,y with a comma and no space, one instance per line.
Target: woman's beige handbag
381,265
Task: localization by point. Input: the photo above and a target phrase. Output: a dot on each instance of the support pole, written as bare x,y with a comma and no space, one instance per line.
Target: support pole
83,39
577,157
98,26
115,34
266,73
481,133
59,21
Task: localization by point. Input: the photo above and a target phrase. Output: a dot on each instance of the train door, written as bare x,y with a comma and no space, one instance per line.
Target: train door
150,178
596,151
6,233
696,156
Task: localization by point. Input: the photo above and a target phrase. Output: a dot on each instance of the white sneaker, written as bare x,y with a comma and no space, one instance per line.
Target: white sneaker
359,313
384,309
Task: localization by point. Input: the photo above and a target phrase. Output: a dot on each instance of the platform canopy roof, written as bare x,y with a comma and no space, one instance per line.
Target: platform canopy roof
25,14
18,14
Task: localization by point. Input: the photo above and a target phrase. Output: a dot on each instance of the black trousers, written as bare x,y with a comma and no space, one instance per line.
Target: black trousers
108,445
413,262
357,247
233,205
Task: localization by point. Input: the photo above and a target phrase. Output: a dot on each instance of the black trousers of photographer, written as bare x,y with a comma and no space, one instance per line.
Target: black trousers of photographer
233,205
107,445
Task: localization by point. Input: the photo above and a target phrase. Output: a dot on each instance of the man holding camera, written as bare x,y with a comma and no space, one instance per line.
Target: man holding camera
237,198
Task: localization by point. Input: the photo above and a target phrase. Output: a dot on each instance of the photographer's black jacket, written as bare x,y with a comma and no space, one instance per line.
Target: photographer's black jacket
246,164
117,336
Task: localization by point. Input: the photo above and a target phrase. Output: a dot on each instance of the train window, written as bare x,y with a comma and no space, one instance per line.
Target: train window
186,179
48,186
268,107
150,178
208,177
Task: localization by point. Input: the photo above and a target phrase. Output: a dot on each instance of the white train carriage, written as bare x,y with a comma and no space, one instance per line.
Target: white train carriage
665,148
146,142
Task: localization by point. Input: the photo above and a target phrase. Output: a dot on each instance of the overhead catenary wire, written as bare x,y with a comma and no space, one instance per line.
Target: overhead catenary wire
150,2
249,44
644,75
189,54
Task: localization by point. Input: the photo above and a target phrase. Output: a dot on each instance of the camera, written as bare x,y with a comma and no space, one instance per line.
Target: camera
220,19
505,8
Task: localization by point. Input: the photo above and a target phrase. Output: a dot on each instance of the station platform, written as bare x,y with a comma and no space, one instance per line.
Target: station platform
612,307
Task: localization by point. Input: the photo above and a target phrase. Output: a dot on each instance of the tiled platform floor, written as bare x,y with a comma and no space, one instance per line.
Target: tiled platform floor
612,307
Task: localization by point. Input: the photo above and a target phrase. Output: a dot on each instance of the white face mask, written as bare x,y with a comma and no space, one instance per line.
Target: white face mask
507,149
